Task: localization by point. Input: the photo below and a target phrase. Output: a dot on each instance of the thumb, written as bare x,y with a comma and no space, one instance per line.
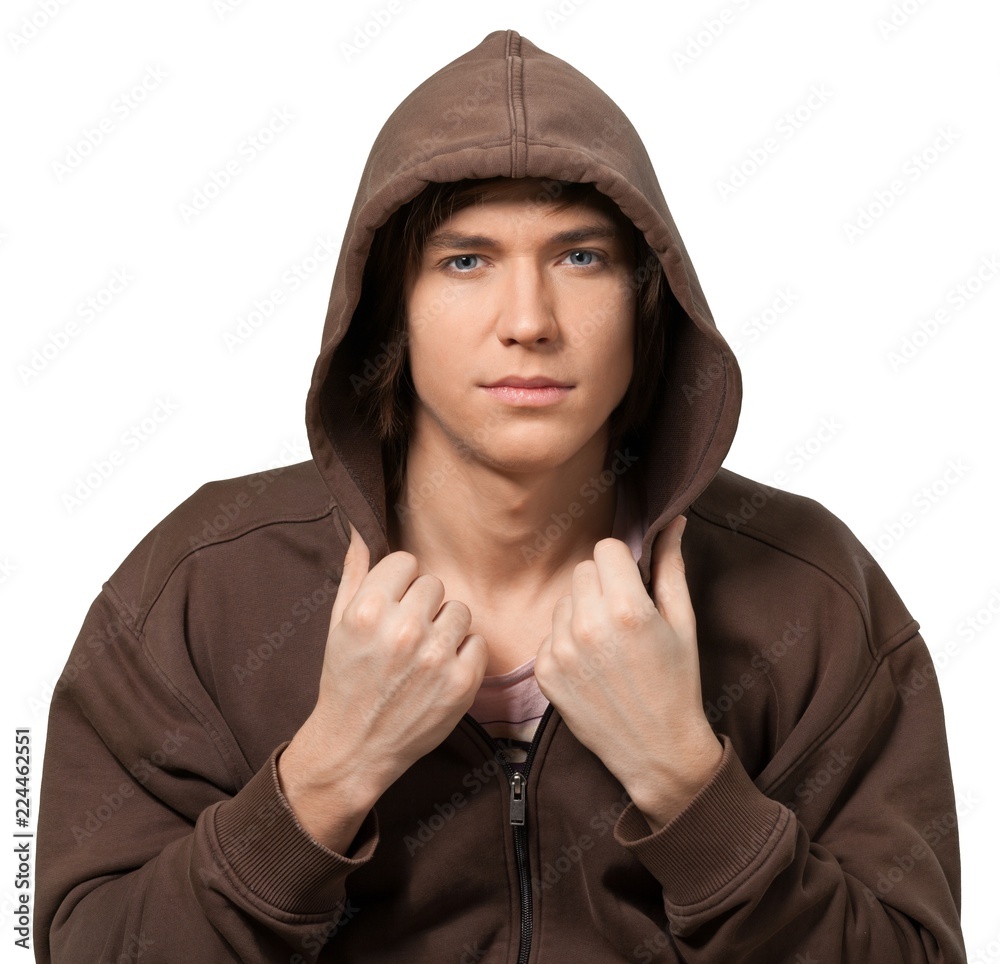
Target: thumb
355,569
670,590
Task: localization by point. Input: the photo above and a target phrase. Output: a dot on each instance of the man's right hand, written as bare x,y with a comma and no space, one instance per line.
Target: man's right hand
399,673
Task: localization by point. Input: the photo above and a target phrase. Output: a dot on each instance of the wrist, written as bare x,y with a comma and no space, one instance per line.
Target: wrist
667,791
331,802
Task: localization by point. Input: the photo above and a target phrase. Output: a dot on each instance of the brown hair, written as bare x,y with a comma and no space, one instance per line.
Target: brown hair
387,396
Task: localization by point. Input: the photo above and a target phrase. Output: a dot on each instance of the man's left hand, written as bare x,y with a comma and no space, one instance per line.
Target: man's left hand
623,672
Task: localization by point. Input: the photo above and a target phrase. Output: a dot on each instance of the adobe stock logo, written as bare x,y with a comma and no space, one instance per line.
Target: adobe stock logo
370,29
556,15
925,499
916,166
129,442
712,28
785,128
591,491
94,135
46,11
221,178
58,341
933,323
761,323
899,16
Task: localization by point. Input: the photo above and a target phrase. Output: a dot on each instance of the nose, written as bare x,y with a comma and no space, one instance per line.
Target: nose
526,309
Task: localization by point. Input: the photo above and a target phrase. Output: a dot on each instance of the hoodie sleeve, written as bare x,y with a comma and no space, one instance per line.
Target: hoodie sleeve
859,864
154,838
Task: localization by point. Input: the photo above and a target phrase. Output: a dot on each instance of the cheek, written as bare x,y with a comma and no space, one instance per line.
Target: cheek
421,325
417,307
428,362
437,360
419,350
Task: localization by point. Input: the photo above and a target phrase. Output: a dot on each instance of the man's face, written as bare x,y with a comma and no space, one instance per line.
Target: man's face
516,287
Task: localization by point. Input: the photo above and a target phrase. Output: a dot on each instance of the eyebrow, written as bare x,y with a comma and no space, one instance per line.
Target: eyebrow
586,232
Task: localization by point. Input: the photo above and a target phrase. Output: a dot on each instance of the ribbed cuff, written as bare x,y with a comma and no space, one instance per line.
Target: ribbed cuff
713,840
267,849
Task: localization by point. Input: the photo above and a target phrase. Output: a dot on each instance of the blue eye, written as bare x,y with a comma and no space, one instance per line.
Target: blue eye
582,258
464,262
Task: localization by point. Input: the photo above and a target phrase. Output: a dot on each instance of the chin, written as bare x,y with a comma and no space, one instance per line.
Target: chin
542,456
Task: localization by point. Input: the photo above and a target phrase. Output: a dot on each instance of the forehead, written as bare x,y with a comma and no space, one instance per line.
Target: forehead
535,199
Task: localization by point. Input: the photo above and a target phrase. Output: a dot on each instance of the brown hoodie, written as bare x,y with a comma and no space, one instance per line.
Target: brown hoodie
828,832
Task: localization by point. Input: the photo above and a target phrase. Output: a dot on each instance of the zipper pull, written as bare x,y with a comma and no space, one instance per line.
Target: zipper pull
517,799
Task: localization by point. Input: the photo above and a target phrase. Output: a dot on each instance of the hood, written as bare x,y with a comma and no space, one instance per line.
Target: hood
509,109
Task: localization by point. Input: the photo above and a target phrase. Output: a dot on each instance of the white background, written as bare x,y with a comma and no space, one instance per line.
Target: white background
888,92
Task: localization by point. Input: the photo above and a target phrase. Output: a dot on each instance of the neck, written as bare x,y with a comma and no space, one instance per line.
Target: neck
499,533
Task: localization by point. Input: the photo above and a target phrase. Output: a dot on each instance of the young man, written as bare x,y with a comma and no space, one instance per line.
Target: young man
452,690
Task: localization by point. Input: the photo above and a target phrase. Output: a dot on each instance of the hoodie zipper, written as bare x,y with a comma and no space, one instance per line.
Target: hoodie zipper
518,782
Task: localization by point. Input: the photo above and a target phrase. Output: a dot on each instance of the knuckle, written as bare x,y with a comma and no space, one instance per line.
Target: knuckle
428,656
585,628
628,615
562,653
365,612
408,630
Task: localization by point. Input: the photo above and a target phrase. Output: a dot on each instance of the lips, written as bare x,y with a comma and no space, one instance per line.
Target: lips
537,392
538,381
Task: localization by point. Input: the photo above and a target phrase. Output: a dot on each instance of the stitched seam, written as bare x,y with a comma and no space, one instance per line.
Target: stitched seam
834,726
511,113
215,737
830,572
314,516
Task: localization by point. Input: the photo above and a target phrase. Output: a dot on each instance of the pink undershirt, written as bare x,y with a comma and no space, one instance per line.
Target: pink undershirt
510,705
